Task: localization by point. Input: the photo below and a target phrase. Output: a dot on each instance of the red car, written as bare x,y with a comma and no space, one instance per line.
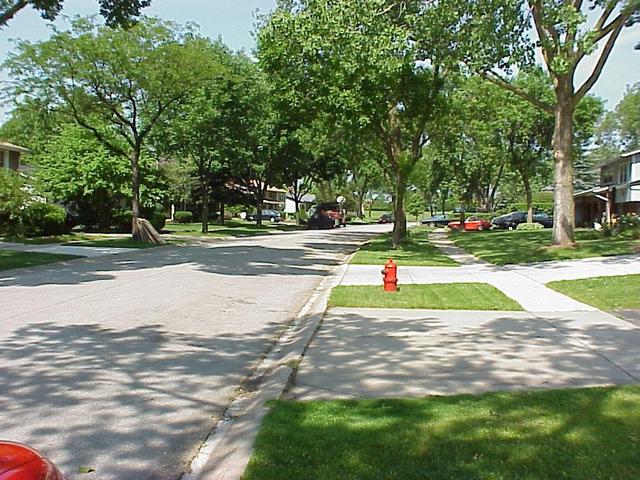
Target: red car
471,223
19,462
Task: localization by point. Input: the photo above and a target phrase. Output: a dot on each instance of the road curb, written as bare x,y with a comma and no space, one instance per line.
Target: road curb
228,449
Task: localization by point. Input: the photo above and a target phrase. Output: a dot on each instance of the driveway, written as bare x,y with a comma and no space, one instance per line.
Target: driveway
124,363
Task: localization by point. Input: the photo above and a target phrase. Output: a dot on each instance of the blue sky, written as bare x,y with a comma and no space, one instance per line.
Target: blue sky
234,20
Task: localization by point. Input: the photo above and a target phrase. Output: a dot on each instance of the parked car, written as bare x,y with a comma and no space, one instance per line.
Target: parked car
271,215
513,219
327,215
544,219
436,221
19,462
471,223
510,220
386,218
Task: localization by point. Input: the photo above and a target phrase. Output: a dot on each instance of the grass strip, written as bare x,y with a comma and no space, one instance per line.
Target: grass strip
10,259
437,296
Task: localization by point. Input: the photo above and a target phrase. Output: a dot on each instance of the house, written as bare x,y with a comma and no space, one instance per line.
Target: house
10,156
274,198
618,192
306,201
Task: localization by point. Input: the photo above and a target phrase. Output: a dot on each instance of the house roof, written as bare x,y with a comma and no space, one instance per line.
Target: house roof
591,191
622,156
12,148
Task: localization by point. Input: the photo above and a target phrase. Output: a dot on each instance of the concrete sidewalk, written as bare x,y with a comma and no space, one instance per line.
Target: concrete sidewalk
523,283
57,248
366,353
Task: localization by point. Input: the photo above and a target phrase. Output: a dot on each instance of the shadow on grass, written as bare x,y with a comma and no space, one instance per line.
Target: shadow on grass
573,434
503,247
416,250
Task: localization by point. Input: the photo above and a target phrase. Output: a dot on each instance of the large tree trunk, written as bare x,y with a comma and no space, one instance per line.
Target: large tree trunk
563,216
204,198
141,229
400,220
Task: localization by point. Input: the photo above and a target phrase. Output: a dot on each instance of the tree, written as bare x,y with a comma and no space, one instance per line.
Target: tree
75,168
118,84
115,12
628,118
199,131
358,63
493,36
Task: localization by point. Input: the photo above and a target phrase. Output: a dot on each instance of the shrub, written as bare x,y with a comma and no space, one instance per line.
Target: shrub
12,201
44,219
122,220
530,226
183,217
158,220
628,223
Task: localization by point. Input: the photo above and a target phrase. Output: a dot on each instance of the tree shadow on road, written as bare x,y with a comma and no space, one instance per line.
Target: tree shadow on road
133,404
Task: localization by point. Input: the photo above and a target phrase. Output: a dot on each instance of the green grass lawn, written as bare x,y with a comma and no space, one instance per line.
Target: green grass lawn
414,250
231,228
12,259
575,434
606,293
503,247
440,296
69,237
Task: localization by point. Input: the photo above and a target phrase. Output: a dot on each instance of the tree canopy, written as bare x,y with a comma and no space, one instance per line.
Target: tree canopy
115,12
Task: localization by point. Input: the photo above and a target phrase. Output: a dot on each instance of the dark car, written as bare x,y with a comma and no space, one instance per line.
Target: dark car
386,218
19,462
436,221
544,219
271,215
327,215
513,219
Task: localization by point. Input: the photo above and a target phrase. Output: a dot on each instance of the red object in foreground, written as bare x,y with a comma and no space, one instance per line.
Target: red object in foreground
471,223
19,462
390,274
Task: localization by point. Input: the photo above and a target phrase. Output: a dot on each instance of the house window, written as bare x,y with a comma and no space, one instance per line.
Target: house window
607,175
623,172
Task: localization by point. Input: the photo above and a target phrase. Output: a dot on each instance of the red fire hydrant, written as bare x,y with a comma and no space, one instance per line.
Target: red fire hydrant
390,276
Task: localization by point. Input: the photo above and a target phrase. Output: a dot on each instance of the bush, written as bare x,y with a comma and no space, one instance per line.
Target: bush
122,220
530,226
158,220
628,223
12,201
43,219
183,217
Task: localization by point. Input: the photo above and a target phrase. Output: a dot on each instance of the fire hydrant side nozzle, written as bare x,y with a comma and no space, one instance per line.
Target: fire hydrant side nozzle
390,276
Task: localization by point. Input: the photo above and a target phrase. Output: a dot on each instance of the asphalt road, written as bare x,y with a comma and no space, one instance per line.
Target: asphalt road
123,364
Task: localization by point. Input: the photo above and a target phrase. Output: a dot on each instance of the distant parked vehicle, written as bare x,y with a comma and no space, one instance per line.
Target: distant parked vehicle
386,218
436,221
471,223
19,462
513,219
327,215
271,215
